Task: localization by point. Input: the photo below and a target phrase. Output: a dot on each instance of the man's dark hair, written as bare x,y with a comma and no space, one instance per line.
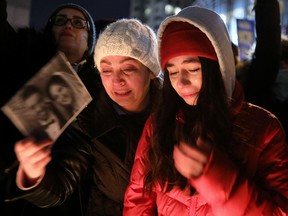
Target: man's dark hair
29,90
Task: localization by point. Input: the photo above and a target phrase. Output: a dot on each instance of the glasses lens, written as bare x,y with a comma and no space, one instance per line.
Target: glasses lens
78,23
60,20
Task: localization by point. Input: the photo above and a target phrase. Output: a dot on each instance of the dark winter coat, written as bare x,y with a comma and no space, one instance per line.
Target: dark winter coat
96,153
22,54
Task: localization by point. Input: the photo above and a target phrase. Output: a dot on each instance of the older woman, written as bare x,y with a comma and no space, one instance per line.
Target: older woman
97,152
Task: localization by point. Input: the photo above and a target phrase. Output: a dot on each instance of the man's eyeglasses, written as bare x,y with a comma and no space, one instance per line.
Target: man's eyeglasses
75,21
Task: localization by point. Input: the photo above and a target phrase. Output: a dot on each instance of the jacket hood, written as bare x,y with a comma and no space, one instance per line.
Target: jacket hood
211,24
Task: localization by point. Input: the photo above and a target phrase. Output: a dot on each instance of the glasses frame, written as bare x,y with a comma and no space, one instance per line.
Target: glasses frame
87,26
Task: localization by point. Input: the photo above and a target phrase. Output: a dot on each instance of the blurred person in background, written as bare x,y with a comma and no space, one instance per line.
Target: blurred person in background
279,94
264,65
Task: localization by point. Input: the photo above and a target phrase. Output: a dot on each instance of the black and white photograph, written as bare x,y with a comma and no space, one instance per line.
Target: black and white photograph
49,101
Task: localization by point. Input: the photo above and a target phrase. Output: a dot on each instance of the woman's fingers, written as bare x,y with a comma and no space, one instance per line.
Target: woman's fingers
25,149
33,156
189,161
193,152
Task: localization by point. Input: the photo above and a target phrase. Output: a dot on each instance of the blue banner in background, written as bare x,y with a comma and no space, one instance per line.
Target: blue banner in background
246,38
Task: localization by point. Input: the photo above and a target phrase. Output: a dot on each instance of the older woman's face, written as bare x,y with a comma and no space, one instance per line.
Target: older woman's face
126,81
69,38
185,74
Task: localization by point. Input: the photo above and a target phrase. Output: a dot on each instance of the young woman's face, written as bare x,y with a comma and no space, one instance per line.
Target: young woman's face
185,74
68,37
126,81
61,94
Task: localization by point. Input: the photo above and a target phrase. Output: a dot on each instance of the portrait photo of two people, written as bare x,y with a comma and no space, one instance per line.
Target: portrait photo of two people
49,101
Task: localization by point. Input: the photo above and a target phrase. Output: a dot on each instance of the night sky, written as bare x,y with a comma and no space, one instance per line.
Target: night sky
99,9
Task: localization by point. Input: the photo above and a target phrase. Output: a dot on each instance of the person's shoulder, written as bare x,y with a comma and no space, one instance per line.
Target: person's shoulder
29,32
257,111
258,117
258,126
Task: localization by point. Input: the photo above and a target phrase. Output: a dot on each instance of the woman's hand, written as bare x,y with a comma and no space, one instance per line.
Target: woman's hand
189,160
33,157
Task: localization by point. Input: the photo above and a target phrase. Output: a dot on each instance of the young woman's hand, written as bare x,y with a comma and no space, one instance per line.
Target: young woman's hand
190,161
33,157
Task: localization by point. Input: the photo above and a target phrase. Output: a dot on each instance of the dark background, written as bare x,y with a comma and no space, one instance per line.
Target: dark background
99,9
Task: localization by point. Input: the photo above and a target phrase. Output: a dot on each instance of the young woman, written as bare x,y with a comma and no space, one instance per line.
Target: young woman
65,94
205,151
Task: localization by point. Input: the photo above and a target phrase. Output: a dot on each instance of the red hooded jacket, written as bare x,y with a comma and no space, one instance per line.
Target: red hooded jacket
223,190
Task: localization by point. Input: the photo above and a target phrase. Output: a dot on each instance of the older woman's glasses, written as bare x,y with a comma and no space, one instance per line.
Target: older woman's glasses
75,21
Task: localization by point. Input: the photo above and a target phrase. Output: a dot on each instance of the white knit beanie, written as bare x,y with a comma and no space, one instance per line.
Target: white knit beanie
131,38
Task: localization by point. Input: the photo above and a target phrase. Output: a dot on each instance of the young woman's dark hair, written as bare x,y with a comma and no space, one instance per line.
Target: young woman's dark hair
209,119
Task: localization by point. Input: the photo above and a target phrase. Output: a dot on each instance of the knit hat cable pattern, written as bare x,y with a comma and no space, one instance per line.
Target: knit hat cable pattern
131,38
